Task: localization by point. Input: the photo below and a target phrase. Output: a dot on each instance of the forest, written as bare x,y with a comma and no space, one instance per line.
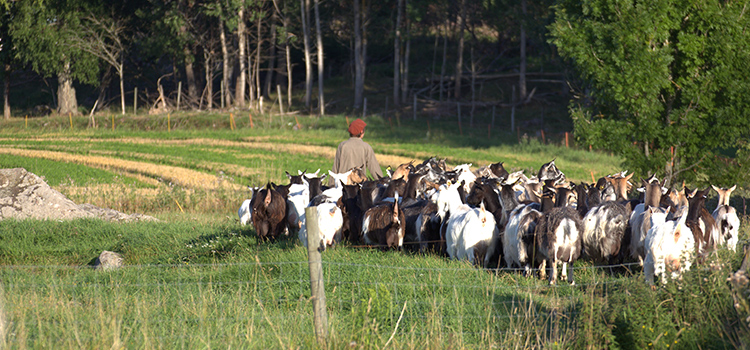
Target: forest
660,83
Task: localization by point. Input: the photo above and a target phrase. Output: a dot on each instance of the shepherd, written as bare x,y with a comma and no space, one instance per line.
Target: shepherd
354,152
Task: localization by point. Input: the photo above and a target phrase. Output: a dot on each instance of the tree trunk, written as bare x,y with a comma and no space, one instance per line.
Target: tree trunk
321,101
189,71
359,76
240,93
434,59
397,54
445,61
271,59
250,74
66,93
258,50
209,81
289,81
460,61
305,7
6,92
121,73
225,71
522,68
473,84
405,61
191,83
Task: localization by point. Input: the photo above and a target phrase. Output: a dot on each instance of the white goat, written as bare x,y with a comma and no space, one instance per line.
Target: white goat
726,217
245,212
469,233
330,224
670,247
297,201
466,175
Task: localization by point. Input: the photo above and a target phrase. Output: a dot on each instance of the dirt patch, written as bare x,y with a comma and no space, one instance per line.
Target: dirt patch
24,195
168,174
183,176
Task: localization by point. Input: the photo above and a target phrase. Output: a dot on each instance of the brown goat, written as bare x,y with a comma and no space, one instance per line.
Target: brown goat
269,213
384,225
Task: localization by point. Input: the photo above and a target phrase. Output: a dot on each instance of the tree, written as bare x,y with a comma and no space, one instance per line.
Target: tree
319,36
103,36
43,33
305,8
6,53
667,80
460,26
359,53
397,53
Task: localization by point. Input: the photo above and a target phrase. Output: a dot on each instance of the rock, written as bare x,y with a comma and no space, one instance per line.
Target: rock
24,195
108,261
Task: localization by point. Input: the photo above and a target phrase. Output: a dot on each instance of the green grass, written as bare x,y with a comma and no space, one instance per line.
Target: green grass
195,283
198,279
62,173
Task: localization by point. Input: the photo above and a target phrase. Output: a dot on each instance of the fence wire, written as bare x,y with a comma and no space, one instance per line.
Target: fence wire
464,301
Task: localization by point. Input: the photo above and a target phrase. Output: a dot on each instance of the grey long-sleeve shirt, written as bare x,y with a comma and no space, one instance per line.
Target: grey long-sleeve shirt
354,153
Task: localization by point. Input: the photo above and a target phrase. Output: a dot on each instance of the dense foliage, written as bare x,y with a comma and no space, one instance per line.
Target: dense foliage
664,82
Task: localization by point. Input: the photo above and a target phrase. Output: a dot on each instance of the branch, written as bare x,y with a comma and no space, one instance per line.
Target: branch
690,167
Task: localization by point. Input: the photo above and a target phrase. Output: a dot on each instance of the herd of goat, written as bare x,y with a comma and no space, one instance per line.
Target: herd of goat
489,216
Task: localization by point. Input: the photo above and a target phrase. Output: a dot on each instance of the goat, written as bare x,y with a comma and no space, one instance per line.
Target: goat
315,183
726,217
468,234
484,192
701,223
352,212
670,247
330,224
297,201
518,240
558,238
640,217
603,231
465,175
245,212
427,227
383,225
402,171
493,171
549,171
621,185
269,213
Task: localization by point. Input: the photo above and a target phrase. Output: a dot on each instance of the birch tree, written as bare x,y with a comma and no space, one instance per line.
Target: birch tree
305,8
319,35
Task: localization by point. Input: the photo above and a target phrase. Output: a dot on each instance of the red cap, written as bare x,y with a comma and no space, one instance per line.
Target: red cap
357,127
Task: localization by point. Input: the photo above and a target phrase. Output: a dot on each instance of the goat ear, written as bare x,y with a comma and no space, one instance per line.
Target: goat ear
718,190
267,200
732,188
288,175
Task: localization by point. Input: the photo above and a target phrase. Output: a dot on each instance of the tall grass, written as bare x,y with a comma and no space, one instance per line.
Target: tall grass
197,279
209,283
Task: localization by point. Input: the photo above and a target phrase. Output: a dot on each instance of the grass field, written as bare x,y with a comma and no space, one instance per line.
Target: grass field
198,279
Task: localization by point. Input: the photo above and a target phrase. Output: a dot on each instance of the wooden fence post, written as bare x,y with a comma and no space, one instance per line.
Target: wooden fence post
135,101
179,93
320,314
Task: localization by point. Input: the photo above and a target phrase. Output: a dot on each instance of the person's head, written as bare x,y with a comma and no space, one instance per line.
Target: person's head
357,128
